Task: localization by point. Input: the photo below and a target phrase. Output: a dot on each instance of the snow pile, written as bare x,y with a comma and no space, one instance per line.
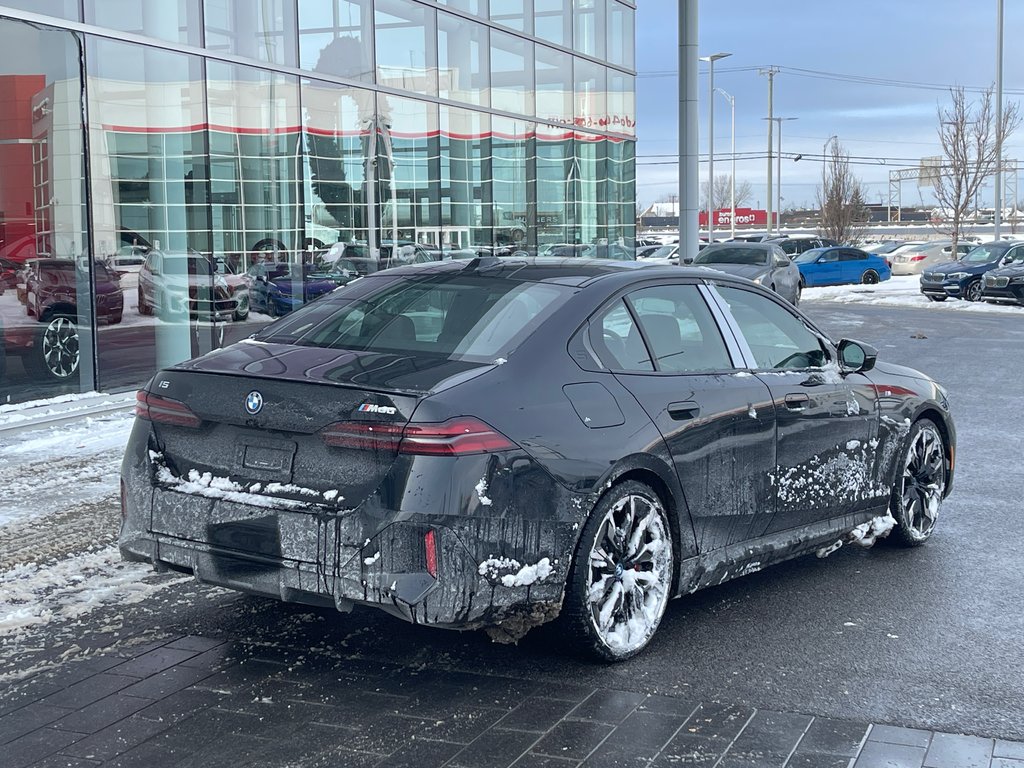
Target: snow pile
35,594
901,291
511,573
528,574
866,534
481,492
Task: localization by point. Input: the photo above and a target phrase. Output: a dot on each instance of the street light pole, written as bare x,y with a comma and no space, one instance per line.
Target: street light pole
711,140
997,220
732,183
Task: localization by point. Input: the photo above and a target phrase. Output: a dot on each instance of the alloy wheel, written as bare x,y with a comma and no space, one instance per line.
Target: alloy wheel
59,347
973,292
869,278
923,483
629,574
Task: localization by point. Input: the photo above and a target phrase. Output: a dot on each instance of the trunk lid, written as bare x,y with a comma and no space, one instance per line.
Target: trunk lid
262,410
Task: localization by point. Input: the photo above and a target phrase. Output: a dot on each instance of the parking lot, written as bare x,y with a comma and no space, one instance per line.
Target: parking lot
925,639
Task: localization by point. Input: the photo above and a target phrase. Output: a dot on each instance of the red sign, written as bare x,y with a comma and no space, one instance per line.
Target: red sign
745,217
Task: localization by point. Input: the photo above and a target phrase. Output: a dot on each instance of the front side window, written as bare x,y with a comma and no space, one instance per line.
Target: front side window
777,338
680,329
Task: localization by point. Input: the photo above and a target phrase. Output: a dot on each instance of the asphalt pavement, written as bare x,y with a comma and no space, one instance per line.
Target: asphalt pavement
928,638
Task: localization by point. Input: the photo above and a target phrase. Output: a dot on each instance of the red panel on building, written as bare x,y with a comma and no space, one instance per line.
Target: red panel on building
745,217
17,212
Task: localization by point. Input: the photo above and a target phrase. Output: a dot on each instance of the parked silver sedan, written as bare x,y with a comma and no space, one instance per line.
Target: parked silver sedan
764,263
913,260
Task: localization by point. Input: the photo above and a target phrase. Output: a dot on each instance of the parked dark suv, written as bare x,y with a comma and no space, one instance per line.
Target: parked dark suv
794,246
963,279
1005,285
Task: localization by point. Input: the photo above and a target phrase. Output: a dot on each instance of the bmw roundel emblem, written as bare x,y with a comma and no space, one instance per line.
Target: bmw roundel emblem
254,402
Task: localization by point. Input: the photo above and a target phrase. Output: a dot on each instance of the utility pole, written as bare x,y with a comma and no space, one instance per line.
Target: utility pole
689,119
997,220
770,72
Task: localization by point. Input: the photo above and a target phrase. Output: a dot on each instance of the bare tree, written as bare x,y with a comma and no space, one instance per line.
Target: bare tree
970,145
723,192
840,197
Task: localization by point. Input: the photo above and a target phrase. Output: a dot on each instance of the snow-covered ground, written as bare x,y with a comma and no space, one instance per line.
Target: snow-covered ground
59,517
903,291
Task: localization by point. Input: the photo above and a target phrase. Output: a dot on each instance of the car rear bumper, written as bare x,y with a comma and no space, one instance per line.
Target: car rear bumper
900,270
505,570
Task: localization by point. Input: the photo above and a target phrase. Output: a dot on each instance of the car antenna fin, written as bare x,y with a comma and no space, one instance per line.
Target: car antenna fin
483,263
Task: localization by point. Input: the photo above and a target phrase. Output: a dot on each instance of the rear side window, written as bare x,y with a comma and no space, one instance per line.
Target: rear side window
618,342
461,317
853,256
777,338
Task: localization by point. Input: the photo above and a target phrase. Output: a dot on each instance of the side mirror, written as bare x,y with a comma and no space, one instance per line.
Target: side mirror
856,356
1005,260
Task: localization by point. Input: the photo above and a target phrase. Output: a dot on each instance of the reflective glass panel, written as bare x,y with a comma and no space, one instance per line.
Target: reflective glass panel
337,130
255,166
46,319
463,57
150,205
62,9
510,150
620,191
589,27
553,21
511,73
554,85
406,46
256,29
178,21
621,35
336,38
476,7
557,173
591,94
621,103
465,139
514,14
408,170
590,188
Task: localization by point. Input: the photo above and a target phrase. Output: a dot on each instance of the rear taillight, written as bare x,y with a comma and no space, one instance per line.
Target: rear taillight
164,410
456,437
917,258
363,435
430,550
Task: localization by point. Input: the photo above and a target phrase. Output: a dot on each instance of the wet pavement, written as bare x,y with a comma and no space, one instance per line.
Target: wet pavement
191,701
867,658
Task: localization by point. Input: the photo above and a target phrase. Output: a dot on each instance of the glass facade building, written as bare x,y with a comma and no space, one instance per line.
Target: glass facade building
153,151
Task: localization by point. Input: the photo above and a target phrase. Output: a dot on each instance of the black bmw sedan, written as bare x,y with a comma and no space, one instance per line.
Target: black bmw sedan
502,442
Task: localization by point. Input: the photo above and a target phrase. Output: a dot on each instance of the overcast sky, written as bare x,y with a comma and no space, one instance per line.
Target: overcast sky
938,43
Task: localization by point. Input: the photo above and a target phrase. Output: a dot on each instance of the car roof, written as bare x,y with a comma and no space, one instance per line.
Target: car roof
757,246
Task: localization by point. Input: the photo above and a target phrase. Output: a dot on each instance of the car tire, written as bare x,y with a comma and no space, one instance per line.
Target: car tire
973,291
920,484
870,277
242,311
55,355
610,612
144,308
936,298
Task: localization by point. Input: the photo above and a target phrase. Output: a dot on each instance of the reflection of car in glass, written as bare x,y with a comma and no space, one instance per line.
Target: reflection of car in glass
172,284
835,266
277,288
764,263
52,287
435,416
8,274
963,279
1005,285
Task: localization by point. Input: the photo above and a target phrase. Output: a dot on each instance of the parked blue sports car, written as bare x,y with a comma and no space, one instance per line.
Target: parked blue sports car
840,264
276,288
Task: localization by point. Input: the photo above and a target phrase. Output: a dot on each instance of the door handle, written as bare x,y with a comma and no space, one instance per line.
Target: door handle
687,409
797,401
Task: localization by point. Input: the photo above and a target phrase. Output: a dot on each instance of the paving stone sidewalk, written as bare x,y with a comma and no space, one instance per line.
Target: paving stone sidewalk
194,701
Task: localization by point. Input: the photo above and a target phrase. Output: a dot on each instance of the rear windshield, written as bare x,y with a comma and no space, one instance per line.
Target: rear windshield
461,317
755,256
